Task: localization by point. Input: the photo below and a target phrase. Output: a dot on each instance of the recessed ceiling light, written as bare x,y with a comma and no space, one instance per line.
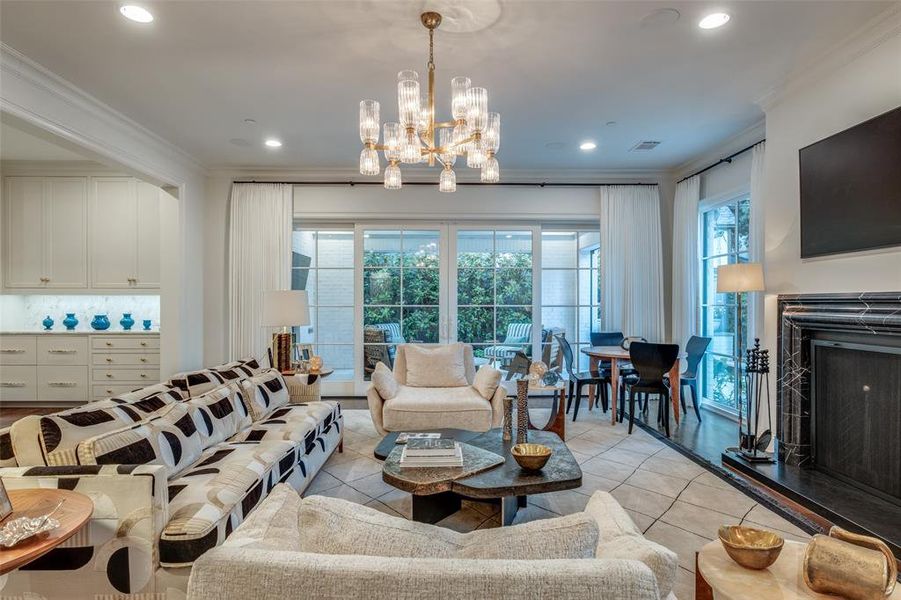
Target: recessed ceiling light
713,20
273,143
587,146
136,13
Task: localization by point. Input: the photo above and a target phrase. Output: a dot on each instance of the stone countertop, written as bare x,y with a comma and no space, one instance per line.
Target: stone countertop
82,332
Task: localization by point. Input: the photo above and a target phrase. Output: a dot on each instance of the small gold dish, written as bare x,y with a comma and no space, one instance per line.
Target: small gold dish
531,457
749,547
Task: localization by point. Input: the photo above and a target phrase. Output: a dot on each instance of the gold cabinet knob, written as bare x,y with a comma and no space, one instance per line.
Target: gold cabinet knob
144,375
109,359
110,375
109,343
109,391
143,359
143,343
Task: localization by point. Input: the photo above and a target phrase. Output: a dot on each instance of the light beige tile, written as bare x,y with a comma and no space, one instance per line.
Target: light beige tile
353,468
371,485
587,446
684,588
607,468
683,543
581,458
641,521
345,492
646,447
655,482
643,501
321,482
708,478
532,512
730,502
382,507
562,503
669,453
464,520
702,521
595,483
491,523
626,457
604,434
683,468
400,502
764,516
489,509
363,445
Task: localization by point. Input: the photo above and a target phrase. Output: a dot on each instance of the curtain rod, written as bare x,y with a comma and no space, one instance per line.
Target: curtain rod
728,159
352,183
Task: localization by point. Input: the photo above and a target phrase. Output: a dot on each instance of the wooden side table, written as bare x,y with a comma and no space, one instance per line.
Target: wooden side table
72,516
556,422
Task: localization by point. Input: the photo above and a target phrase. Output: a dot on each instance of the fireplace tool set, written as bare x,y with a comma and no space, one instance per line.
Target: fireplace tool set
751,446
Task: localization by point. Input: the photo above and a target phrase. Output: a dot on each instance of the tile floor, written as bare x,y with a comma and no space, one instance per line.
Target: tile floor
675,502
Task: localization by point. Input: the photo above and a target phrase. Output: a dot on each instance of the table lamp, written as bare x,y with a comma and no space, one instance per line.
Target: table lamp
285,309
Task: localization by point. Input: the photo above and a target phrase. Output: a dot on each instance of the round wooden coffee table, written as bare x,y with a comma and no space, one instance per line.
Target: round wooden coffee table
72,515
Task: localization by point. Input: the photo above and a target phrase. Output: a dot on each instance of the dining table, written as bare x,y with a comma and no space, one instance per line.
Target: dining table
617,355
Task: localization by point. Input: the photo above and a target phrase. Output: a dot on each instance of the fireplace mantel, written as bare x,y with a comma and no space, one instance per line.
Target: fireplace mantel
802,316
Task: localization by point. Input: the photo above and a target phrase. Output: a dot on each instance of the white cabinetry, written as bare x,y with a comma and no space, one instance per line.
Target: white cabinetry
46,232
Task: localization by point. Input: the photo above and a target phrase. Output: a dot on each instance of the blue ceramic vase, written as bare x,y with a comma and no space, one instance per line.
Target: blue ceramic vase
100,322
147,324
47,323
126,322
70,321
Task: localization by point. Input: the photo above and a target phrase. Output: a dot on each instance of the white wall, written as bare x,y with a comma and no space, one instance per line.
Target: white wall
863,88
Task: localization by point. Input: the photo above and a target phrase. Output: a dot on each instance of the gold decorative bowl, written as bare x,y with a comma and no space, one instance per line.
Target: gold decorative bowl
749,547
531,457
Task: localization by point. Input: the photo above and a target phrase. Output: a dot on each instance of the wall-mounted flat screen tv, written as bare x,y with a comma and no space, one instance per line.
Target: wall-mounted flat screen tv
851,189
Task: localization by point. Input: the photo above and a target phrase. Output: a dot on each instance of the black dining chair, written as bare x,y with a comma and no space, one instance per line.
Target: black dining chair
606,338
599,378
651,363
694,352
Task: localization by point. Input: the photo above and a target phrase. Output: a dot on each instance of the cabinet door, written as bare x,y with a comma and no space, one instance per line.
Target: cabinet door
147,274
24,208
66,239
113,230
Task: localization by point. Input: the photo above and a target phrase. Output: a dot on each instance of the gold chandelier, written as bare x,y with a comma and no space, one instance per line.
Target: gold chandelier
417,137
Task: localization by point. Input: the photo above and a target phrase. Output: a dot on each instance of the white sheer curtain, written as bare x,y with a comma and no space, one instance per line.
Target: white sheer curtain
756,241
685,260
259,260
631,261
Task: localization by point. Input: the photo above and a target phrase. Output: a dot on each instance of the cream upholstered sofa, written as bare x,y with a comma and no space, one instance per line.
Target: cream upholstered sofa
420,408
319,547
172,470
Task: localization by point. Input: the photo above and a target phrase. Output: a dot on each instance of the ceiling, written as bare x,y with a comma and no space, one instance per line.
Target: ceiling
558,72
16,144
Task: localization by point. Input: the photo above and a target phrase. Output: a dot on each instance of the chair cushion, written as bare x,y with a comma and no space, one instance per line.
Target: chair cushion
436,366
264,392
220,413
60,433
218,492
426,408
196,383
151,390
295,422
486,381
170,439
384,381
334,526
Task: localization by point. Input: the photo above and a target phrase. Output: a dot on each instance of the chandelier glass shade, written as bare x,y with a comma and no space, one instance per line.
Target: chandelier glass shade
416,137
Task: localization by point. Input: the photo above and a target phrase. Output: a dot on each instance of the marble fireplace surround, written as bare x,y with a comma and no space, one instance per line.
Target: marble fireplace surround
802,316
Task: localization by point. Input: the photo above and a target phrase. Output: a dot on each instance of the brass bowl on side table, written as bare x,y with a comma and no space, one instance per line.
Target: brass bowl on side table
749,547
531,457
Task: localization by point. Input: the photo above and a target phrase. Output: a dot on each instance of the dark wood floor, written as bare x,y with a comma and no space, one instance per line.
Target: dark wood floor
8,416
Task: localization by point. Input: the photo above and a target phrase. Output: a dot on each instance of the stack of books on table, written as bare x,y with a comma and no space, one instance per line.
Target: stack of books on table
433,453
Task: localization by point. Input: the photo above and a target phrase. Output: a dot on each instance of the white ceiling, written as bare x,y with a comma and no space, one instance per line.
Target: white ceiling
557,71
16,144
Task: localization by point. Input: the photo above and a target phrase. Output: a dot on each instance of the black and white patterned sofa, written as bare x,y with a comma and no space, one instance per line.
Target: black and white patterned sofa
172,469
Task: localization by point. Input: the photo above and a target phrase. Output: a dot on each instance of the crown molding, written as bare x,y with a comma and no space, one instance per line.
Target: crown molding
42,98
742,139
875,32
46,167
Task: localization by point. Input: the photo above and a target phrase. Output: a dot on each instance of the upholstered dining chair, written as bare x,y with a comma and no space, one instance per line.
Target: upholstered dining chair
599,378
651,362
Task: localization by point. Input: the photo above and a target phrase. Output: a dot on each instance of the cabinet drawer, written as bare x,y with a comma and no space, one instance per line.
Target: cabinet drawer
125,343
136,375
62,350
18,383
102,392
62,383
18,349
124,359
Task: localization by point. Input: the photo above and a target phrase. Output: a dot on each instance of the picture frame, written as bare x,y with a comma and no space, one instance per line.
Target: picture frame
304,351
6,506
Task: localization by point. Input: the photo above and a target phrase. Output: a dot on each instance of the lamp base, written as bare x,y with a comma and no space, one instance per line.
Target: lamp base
281,351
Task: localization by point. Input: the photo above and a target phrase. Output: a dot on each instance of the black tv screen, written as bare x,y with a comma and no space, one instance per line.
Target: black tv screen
851,189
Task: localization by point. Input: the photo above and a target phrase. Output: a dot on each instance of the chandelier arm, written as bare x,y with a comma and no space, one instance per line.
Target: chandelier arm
445,125
431,129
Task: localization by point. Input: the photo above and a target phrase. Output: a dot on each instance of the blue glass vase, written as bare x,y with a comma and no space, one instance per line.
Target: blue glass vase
147,324
100,322
70,321
126,322
47,323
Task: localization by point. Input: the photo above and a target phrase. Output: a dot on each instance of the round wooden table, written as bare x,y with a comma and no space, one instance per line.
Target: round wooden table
617,355
72,515
313,376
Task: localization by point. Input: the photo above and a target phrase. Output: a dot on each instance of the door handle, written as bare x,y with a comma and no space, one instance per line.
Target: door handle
12,350
15,384
62,384
61,351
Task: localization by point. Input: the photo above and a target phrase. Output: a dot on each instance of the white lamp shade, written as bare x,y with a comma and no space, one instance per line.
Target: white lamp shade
285,308
739,277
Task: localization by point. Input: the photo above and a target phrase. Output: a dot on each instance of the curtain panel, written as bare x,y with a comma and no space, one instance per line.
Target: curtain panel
686,260
631,261
259,260
756,241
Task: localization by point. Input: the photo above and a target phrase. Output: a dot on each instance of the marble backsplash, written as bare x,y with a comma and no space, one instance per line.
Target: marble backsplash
25,312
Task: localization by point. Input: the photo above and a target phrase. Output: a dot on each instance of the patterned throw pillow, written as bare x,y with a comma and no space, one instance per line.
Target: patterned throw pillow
146,392
60,433
220,414
196,383
265,392
170,439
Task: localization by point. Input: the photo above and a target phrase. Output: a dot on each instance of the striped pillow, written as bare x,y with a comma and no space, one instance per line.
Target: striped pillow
146,392
60,433
196,383
265,392
220,414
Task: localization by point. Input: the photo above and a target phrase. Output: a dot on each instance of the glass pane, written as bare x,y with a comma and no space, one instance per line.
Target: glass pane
718,323
584,359
475,286
744,223
514,286
336,325
381,315
589,287
475,324
421,249
420,286
558,249
381,286
506,316
421,325
719,230
307,333
588,241
719,380
339,358
589,320
514,249
303,248
558,287
475,249
381,248
304,279
562,318
336,287
335,249
708,282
